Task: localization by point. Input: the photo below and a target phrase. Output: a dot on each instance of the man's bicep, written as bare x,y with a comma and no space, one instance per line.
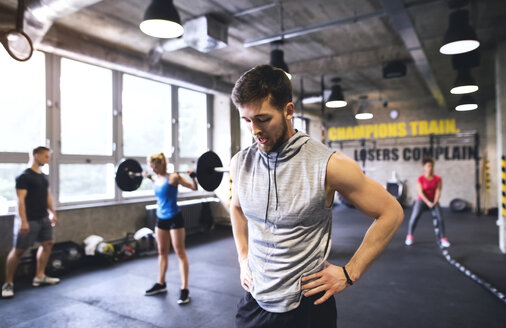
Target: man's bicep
21,194
372,199
367,195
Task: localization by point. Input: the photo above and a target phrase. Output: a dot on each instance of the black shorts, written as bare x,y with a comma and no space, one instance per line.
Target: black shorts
307,315
40,231
175,222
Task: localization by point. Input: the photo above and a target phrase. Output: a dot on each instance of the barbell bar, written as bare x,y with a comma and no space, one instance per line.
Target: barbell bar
209,172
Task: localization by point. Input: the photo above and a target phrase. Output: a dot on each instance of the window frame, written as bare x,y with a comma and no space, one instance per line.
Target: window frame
53,133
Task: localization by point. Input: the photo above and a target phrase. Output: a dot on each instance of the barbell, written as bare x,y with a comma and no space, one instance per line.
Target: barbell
209,172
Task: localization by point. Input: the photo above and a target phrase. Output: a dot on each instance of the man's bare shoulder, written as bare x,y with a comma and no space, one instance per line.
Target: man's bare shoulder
343,171
339,161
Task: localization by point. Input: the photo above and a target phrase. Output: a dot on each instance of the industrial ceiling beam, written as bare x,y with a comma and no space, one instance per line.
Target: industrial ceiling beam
402,24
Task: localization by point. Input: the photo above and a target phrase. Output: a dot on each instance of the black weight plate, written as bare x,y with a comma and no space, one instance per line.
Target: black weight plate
208,178
125,181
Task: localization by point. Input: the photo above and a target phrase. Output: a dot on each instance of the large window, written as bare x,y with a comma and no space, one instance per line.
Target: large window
192,123
146,117
300,124
86,109
23,119
22,103
147,123
92,117
8,172
80,182
246,136
86,129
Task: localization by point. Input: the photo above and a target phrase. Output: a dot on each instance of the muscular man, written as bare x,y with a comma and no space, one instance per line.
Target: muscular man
32,222
281,211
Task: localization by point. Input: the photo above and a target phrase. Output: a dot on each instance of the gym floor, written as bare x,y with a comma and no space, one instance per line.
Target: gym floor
407,287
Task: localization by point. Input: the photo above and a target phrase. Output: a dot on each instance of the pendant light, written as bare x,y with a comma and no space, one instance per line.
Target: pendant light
466,103
363,113
277,54
277,58
161,20
464,83
336,98
460,36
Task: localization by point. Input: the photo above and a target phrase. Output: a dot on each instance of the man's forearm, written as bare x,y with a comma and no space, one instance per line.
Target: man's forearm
22,211
240,231
50,205
376,239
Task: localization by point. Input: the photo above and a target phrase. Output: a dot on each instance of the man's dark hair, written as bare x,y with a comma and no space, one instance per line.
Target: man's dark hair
428,160
260,83
39,150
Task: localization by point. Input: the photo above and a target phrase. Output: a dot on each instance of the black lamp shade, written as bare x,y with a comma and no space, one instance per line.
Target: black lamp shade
466,103
278,61
460,36
363,113
466,60
464,83
336,98
161,19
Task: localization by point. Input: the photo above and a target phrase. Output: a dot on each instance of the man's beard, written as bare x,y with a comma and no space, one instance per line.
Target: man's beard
280,138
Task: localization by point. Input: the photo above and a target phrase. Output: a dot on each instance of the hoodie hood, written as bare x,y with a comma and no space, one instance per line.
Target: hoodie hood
286,150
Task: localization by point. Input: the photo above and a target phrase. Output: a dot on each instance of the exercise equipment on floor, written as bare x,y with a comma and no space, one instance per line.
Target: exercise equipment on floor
468,273
209,172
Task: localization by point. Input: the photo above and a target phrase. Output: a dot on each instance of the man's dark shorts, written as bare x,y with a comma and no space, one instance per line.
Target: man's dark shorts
40,230
176,222
307,315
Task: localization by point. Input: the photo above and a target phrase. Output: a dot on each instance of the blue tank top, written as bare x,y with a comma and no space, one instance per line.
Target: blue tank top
166,195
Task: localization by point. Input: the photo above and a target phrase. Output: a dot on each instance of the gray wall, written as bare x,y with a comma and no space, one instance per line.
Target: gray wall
458,175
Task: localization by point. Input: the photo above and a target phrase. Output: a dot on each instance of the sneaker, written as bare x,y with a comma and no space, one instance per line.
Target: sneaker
409,240
7,290
156,289
184,297
444,242
44,280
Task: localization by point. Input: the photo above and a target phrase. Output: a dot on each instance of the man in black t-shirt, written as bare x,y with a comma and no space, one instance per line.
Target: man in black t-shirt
32,222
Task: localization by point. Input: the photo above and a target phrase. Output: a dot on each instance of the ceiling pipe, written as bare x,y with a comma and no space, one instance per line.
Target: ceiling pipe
288,34
255,9
299,31
41,14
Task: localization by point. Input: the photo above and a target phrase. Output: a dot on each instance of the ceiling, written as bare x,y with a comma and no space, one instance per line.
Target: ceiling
351,40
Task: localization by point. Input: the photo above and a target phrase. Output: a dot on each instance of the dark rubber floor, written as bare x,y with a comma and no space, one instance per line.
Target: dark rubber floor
407,287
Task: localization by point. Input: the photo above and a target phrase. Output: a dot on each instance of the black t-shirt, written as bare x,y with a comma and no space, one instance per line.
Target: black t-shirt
36,185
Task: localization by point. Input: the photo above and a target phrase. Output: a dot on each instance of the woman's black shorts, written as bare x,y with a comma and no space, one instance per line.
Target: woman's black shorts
175,222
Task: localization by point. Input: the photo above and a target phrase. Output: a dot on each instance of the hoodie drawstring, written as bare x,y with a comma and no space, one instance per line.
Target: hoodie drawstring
269,189
275,185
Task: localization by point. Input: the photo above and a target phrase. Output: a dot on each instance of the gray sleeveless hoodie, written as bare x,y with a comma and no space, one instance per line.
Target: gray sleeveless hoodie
282,194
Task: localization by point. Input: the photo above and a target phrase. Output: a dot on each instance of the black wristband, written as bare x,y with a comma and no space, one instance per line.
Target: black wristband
348,280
